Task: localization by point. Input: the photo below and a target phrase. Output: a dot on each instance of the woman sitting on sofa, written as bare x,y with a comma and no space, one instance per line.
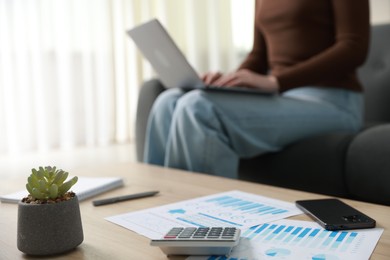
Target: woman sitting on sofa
305,53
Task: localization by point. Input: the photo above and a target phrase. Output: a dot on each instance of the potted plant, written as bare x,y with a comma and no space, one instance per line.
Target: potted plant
49,220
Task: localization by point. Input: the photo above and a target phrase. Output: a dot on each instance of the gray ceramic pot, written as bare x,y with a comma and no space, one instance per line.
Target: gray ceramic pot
49,229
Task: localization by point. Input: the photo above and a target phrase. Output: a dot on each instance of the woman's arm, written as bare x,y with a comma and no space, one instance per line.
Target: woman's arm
252,72
256,60
347,53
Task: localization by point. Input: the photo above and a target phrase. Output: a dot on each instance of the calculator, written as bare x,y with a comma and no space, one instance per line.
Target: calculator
198,240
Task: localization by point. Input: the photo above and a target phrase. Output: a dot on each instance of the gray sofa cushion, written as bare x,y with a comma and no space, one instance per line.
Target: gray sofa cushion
375,76
368,165
316,165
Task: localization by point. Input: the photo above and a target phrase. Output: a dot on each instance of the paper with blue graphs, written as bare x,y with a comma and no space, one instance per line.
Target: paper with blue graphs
292,239
233,208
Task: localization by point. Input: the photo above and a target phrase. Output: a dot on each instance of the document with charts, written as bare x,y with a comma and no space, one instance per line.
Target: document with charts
233,208
293,239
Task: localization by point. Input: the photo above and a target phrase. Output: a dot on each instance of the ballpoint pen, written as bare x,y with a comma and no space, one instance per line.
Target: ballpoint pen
124,198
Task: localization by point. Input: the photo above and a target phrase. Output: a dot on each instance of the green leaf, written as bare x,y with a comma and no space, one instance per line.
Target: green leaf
64,177
29,188
38,174
58,180
42,186
46,171
53,191
37,194
66,186
33,181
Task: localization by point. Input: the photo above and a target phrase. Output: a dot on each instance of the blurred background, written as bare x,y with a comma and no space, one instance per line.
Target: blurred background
69,75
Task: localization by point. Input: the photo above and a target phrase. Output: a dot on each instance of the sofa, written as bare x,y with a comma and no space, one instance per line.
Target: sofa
354,166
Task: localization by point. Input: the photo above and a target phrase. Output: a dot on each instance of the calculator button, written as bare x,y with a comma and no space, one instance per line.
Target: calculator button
201,233
216,230
173,233
215,233
187,232
198,241
169,237
175,230
185,236
202,230
229,233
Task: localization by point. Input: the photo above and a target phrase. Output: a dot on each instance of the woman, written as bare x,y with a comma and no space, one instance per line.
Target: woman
306,53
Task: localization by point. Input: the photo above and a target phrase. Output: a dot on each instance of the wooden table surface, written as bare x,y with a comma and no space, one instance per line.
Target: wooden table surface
105,240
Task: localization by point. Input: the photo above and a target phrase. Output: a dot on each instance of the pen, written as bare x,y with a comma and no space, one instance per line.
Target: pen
123,198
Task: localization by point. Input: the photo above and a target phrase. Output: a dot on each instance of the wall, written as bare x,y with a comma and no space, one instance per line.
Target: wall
380,11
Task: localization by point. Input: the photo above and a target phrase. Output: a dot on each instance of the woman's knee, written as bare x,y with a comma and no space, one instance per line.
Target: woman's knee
166,101
194,104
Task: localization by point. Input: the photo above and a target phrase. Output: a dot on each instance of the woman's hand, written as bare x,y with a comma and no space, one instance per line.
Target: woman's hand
210,77
243,78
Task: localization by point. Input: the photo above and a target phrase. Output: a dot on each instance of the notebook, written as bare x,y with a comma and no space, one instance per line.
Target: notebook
169,62
85,188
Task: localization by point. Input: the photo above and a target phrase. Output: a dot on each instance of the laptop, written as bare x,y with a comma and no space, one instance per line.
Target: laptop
169,62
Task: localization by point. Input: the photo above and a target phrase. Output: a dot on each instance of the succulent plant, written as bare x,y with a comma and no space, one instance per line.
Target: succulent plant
48,183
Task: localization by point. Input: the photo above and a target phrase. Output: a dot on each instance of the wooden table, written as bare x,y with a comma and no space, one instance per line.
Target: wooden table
105,240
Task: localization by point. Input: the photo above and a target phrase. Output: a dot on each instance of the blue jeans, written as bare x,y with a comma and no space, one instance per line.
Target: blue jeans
209,131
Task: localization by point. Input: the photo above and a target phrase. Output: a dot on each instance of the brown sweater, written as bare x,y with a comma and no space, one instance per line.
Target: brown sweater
310,42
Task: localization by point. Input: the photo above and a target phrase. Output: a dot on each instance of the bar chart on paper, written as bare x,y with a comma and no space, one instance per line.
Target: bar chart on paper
288,239
233,208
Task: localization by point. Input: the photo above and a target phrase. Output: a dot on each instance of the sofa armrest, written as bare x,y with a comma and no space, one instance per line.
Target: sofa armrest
368,165
148,93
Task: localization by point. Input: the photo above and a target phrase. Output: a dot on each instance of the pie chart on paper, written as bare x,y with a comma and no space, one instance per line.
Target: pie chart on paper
278,252
325,257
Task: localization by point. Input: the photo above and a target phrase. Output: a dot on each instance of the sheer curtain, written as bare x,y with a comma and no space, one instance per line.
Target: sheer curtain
69,75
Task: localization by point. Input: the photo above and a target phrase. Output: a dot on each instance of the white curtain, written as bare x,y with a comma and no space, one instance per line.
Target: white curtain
69,75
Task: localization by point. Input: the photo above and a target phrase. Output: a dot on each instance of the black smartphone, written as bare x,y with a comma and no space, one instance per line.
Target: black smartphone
333,214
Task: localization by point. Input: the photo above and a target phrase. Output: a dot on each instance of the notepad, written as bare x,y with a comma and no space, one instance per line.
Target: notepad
86,187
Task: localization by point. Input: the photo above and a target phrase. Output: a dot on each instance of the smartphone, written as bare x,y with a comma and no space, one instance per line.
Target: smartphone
333,214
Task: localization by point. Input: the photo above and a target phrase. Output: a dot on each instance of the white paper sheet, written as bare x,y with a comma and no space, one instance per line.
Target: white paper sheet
292,239
233,208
